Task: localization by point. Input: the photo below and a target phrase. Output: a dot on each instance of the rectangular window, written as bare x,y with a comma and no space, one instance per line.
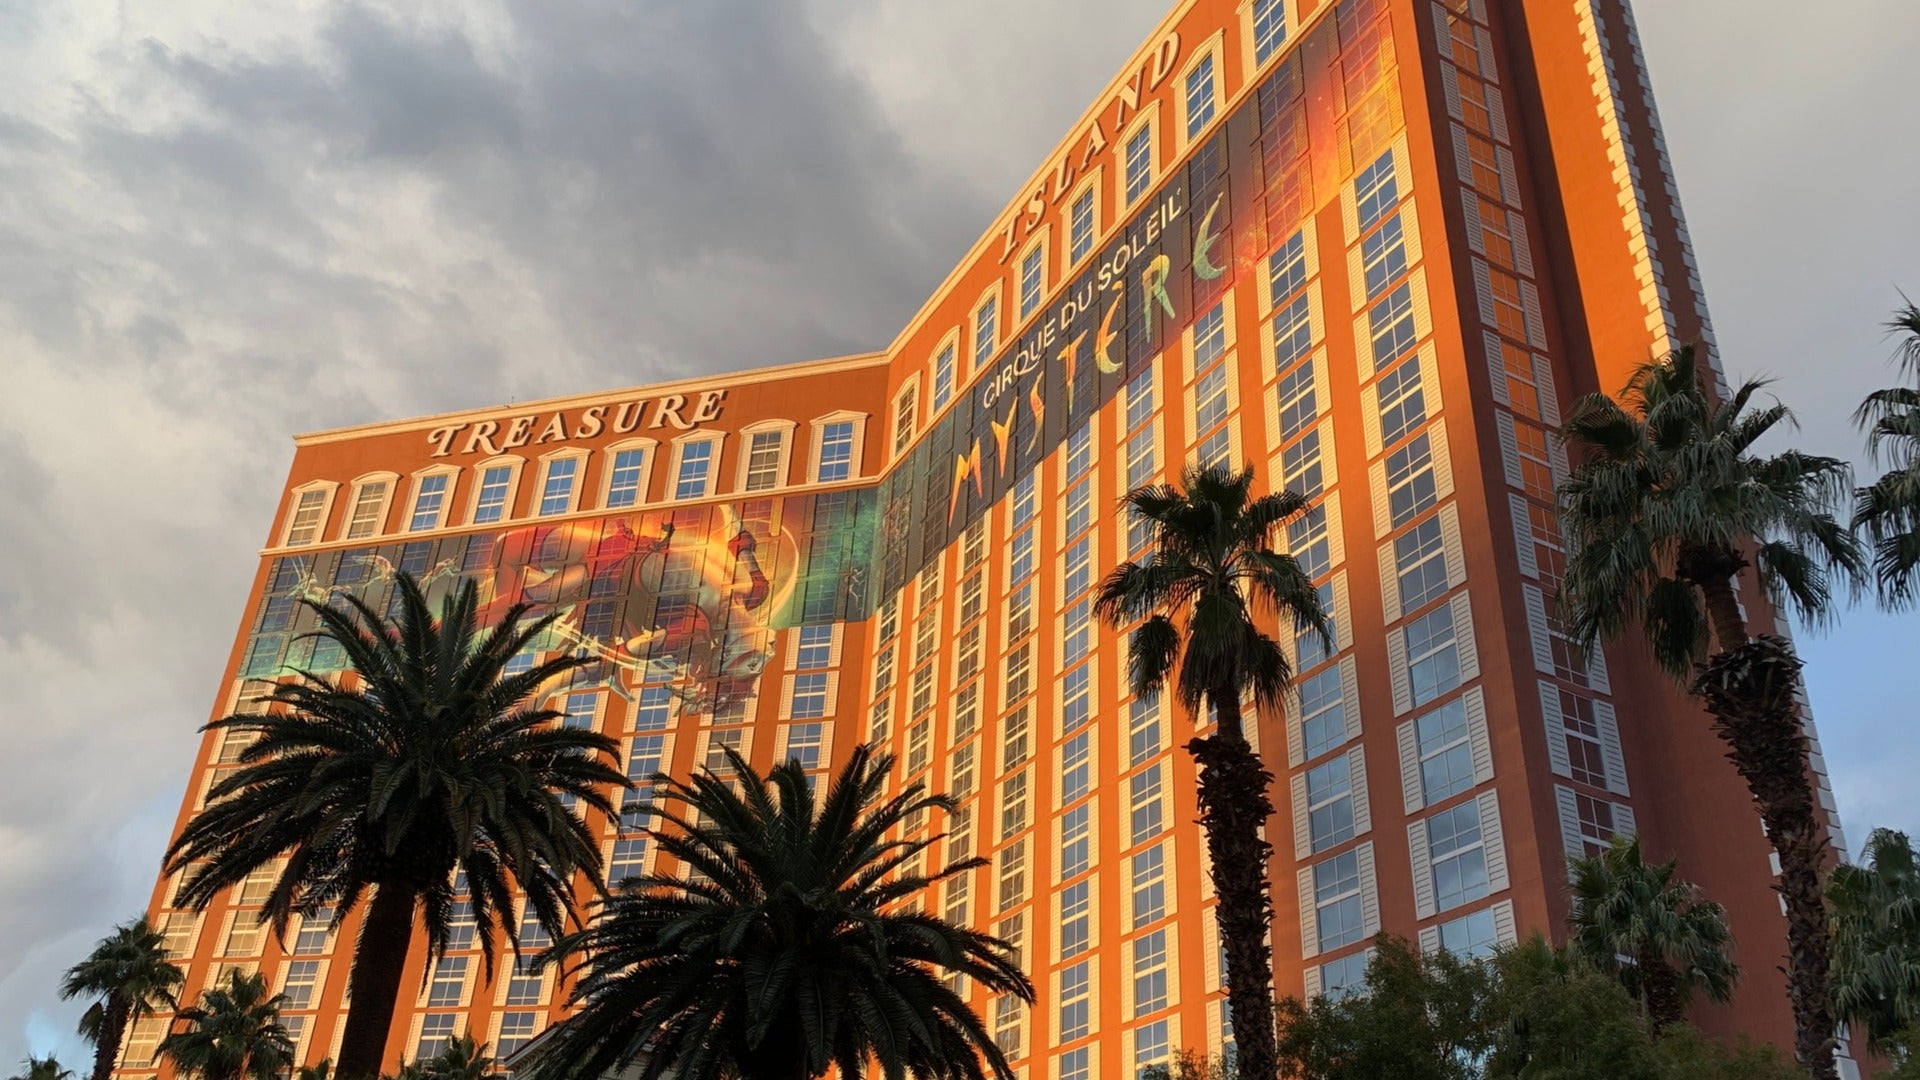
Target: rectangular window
809,697
1433,655
436,1031
1307,644
1300,469
1080,228
1078,567
1150,973
1076,700
1598,826
1076,908
1471,937
629,860
1079,452
1076,761
1199,96
449,982
1307,540
804,742
986,332
1020,611
1076,838
1019,674
1457,855
1140,399
1008,1014
1419,557
1149,888
943,364
1032,279
813,647
1076,634
906,417
1147,817
1269,28
298,984
1390,322
1143,730
1287,268
1403,405
623,485
1299,401
1152,1046
1142,456
556,494
696,465
1013,874
1376,190
581,708
1076,1065
1336,901
1210,399
1292,332
1020,560
1323,713
1330,803
1410,484
1383,256
763,460
307,515
1080,508
1581,730
1013,804
369,504
650,709
1446,756
836,451
427,501
1139,163
516,1030
1076,987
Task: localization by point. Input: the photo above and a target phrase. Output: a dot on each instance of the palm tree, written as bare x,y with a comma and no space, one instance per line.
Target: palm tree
1651,930
1876,940
1668,508
1202,592
129,976
431,759
42,1068
790,941
319,1070
233,1034
462,1059
1887,511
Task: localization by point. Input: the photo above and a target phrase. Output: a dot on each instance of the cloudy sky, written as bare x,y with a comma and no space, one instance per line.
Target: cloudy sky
224,222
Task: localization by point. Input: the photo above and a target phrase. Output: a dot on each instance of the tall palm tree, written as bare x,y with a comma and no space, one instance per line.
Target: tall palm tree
1887,511
1668,508
234,1033
789,941
1203,592
433,758
42,1068
1651,930
1876,940
129,976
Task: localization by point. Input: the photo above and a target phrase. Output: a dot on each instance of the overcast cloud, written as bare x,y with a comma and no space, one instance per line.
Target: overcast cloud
221,223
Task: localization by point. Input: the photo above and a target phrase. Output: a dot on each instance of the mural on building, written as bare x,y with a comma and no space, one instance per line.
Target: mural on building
688,599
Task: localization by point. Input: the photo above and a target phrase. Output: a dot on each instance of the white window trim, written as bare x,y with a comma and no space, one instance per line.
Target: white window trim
547,462
330,488
992,294
1039,241
512,461
380,521
950,340
1090,183
1148,116
909,387
784,428
820,423
1213,47
1248,60
452,473
680,445
651,448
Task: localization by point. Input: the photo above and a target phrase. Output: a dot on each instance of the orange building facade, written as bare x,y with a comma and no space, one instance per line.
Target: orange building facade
1372,249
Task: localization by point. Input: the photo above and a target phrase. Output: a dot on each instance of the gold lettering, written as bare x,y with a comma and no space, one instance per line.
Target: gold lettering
668,411
1154,280
1163,58
709,407
519,430
1107,334
1203,242
442,438
590,423
482,438
1096,142
1006,237
1129,99
1071,357
627,417
1037,205
555,431
964,466
1062,176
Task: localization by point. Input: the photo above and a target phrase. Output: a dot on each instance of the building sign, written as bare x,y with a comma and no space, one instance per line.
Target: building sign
677,411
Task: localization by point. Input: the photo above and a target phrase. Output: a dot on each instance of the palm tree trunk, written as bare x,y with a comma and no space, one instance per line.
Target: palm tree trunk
379,960
1660,987
113,1031
1233,808
1750,690
1713,573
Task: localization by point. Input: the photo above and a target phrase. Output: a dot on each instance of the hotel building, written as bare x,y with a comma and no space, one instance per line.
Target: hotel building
1371,248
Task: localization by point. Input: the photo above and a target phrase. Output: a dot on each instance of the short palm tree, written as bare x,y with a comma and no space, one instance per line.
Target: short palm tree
234,1033
128,975
462,1059
789,941
42,1068
1876,940
432,758
319,1070
1887,512
1204,592
1669,506
1651,930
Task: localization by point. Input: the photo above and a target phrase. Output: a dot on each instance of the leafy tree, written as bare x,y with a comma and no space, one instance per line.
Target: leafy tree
42,1068
431,759
319,1070
1673,940
1876,941
234,1033
1202,592
1669,507
461,1059
1418,1018
1187,1065
1556,1017
790,940
1887,512
129,976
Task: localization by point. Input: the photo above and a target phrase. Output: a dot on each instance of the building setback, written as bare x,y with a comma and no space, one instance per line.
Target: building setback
1372,249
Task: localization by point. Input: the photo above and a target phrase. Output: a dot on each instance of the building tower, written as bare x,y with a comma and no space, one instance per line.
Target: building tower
1371,248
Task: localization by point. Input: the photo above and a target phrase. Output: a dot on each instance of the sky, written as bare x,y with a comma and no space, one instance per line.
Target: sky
225,222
